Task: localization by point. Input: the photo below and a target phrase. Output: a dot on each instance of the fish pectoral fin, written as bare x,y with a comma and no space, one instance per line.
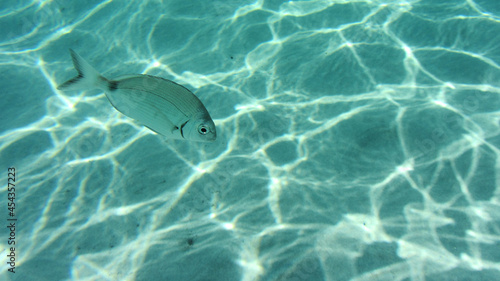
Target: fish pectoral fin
172,130
165,122
151,129
169,124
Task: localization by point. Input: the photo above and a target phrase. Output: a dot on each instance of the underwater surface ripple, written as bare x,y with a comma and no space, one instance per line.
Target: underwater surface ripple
356,140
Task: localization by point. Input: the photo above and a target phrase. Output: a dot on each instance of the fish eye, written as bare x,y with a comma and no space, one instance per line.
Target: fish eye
202,129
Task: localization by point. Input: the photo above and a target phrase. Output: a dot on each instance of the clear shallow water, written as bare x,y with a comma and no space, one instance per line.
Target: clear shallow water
357,140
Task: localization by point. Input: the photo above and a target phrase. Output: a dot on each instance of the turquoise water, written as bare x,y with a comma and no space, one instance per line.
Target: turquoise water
357,140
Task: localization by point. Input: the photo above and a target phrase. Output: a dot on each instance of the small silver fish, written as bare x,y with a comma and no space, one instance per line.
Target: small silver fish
163,106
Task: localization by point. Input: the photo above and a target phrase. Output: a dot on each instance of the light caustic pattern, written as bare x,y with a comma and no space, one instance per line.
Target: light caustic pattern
357,140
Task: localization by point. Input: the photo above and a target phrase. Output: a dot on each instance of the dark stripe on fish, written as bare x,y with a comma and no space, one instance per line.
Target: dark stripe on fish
182,127
112,85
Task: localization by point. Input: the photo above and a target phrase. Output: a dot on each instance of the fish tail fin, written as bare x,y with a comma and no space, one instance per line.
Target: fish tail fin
88,77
